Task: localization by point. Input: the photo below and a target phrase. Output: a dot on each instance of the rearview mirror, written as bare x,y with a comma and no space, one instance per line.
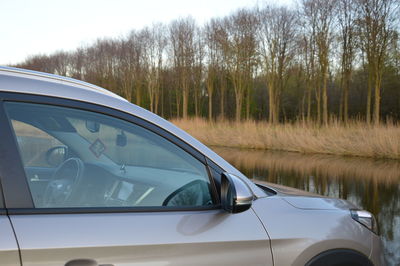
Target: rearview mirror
92,126
121,139
236,196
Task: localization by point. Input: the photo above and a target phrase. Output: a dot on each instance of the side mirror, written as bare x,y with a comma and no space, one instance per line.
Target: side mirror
56,155
236,196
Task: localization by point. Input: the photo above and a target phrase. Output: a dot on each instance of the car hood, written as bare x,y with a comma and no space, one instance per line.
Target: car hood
306,200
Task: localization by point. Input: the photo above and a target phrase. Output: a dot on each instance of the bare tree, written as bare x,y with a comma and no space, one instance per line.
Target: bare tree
309,27
210,32
78,62
347,20
277,46
239,62
139,69
320,16
376,30
101,64
154,45
38,63
182,33
198,69
61,61
239,46
131,69
307,54
220,66
126,68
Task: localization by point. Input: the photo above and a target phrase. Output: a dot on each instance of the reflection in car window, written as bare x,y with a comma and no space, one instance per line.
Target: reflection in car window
33,143
115,163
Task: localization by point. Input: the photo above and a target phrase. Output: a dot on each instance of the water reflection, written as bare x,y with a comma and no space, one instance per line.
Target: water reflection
373,185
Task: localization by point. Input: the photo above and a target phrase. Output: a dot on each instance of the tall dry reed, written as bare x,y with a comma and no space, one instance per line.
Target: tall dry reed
354,139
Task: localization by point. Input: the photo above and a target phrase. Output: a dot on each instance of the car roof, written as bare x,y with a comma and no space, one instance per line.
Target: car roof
38,83
78,84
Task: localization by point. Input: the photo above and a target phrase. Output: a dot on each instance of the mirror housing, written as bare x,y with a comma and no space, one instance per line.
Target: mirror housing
236,196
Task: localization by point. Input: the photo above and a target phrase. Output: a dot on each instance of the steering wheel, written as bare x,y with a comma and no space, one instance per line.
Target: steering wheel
64,181
195,193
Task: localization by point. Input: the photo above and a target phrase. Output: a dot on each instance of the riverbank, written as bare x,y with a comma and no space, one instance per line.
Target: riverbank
355,139
381,171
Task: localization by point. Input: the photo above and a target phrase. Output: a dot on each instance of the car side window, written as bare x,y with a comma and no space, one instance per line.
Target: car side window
115,163
34,144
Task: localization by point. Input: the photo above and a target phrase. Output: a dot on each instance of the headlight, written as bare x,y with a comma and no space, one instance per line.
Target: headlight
365,218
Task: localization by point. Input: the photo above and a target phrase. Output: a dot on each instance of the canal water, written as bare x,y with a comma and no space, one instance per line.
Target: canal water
373,185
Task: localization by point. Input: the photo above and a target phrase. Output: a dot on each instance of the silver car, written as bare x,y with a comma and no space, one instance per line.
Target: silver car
88,178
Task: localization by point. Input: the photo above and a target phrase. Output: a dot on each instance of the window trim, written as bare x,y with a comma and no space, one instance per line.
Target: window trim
2,207
92,210
19,200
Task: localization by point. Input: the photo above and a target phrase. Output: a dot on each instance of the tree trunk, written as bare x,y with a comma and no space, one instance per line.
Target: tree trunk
151,102
178,103
248,105
210,105
156,101
272,107
185,103
138,95
377,103
210,91
222,103
196,103
238,106
318,98
222,99
325,100
369,94
309,103
346,100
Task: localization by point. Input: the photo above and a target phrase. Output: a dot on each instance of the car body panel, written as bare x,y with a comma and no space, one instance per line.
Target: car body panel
334,223
211,237
316,203
376,255
9,254
305,233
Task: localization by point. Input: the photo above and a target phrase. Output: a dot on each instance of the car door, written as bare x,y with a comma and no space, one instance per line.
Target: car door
131,195
9,255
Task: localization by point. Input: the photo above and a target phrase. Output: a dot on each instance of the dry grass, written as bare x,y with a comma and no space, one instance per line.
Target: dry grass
356,139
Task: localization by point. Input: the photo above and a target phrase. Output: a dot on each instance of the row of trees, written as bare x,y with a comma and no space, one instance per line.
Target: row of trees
320,59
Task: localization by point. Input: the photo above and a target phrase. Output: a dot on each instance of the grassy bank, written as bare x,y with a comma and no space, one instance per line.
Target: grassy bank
355,139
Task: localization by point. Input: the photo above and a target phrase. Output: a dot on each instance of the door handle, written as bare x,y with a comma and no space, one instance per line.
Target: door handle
85,262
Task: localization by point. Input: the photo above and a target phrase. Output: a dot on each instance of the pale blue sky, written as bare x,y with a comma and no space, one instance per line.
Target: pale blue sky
29,27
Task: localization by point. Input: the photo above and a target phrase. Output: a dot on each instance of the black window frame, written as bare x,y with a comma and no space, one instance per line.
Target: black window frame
2,207
17,195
